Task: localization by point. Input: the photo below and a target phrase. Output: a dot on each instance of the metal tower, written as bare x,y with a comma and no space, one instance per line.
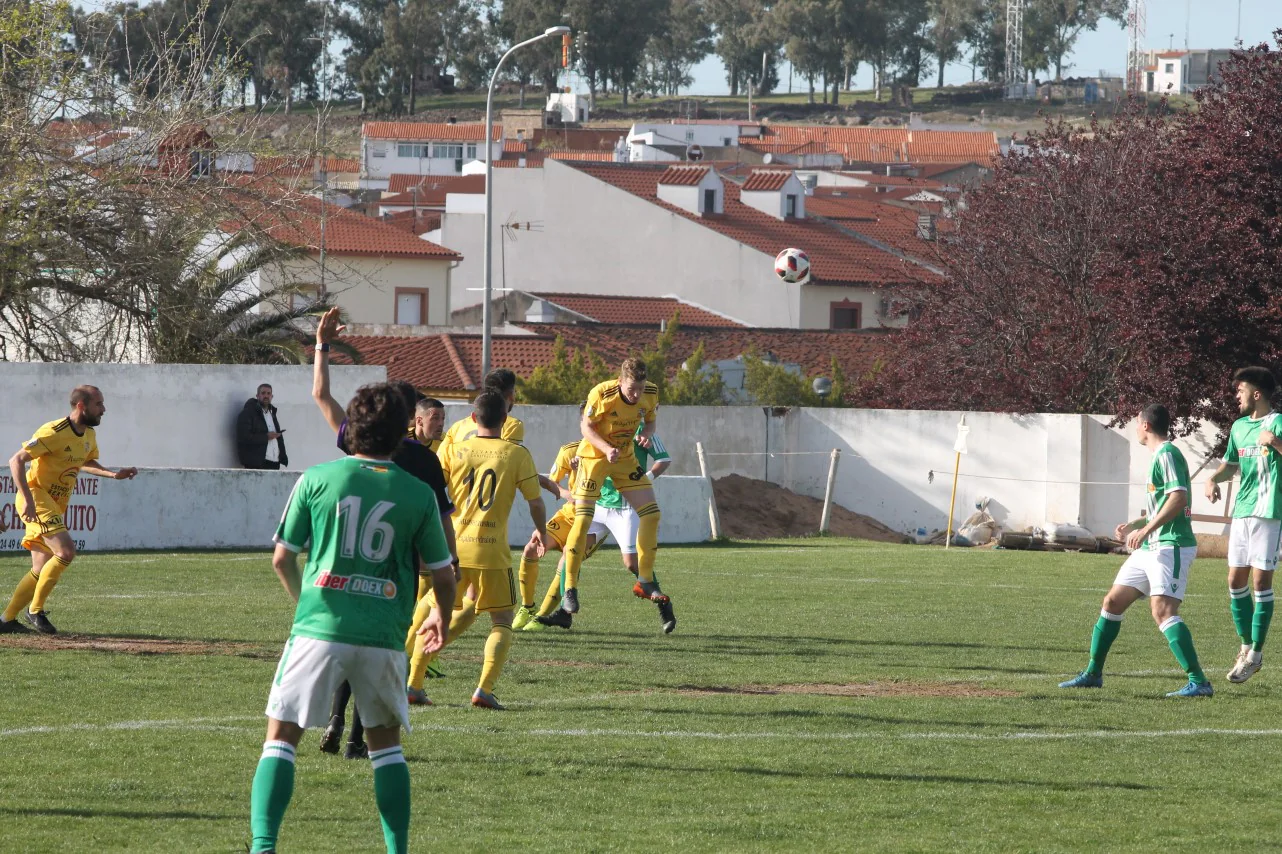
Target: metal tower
1136,24
1015,75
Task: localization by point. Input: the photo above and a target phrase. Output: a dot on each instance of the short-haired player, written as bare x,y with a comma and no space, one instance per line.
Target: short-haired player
1163,552
1254,453
369,524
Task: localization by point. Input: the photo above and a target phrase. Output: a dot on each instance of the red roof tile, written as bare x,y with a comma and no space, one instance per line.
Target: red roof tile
428,362
293,166
429,131
766,179
415,221
295,220
885,145
683,176
638,310
527,161
515,146
596,156
835,257
431,190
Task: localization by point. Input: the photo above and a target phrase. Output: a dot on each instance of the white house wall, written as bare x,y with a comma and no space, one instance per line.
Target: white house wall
365,287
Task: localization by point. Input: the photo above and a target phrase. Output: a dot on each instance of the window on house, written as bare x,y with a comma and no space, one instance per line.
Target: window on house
411,306
689,136
790,206
844,315
412,150
709,201
1170,68
378,151
447,152
304,299
471,151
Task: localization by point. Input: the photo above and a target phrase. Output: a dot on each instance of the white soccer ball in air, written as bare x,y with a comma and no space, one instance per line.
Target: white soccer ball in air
793,266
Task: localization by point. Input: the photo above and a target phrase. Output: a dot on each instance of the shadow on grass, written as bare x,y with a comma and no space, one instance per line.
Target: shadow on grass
70,812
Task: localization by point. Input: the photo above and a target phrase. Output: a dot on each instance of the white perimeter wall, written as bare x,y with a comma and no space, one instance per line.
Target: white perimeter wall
1035,468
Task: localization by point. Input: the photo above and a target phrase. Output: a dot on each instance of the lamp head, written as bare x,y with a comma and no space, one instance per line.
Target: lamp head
556,31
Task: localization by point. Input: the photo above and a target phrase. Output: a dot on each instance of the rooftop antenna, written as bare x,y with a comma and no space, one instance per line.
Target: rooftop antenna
1238,40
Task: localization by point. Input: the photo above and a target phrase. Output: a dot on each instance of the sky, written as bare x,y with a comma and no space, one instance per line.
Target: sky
1208,23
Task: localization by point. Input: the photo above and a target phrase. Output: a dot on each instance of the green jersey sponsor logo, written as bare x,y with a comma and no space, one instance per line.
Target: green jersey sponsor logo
1260,467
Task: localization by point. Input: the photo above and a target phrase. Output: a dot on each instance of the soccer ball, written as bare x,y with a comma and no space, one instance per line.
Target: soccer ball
793,266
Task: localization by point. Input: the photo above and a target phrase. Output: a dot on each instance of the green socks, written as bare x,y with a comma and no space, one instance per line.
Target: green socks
1260,622
392,793
273,787
1106,629
1181,643
1242,609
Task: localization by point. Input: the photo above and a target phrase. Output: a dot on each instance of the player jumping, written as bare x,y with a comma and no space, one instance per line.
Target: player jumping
614,412
1255,450
58,452
1164,549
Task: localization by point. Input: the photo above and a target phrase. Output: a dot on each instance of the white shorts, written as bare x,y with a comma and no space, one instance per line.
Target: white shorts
1254,542
622,525
1161,571
310,670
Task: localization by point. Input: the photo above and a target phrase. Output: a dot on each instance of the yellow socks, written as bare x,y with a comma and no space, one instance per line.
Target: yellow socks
460,620
553,596
21,595
647,540
497,646
576,545
529,576
49,575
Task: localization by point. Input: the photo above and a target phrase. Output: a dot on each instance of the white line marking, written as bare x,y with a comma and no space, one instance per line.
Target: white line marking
188,724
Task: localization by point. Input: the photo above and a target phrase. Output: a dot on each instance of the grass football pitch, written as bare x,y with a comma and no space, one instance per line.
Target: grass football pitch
817,695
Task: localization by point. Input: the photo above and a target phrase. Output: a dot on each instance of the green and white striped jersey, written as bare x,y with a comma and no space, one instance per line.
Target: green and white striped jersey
1260,468
610,497
1168,474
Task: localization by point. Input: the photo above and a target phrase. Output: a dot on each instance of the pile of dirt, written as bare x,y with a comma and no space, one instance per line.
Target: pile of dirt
759,510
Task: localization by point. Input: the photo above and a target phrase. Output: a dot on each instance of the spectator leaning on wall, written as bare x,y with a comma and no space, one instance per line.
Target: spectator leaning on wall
260,441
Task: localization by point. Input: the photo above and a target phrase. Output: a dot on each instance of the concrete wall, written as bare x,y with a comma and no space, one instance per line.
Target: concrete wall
233,508
175,415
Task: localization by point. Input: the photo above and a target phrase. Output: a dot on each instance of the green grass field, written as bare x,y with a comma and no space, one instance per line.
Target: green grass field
950,734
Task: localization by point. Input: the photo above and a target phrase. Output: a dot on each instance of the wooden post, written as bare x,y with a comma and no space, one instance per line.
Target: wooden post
832,482
952,501
713,518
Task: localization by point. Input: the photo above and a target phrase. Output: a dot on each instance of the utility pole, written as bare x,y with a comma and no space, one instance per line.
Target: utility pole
1015,49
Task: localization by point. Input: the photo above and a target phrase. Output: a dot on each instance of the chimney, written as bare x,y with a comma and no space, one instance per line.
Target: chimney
926,226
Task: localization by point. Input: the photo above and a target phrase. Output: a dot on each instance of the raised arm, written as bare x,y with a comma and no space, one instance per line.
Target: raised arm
326,331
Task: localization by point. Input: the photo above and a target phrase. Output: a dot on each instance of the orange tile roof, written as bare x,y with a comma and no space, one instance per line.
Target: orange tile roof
415,222
431,190
429,131
578,139
293,166
835,258
604,308
766,179
595,156
882,145
295,219
515,146
894,225
683,176
530,161
449,363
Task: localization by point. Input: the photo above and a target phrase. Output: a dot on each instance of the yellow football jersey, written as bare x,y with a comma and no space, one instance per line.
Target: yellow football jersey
563,466
465,428
617,419
484,475
58,452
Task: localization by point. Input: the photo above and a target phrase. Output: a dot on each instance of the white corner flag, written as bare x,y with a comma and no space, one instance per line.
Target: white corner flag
960,445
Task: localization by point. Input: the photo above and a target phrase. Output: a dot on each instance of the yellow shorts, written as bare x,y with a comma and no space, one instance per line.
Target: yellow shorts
626,474
562,522
496,589
50,522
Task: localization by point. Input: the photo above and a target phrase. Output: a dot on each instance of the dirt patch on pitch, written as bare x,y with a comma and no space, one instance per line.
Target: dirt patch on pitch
135,645
963,690
759,510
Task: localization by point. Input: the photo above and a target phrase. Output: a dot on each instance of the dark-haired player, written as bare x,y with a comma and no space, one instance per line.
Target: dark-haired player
1163,551
1254,451
369,525
412,456
486,472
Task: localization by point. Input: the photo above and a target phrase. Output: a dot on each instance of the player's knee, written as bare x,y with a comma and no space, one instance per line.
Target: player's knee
1262,581
530,552
65,552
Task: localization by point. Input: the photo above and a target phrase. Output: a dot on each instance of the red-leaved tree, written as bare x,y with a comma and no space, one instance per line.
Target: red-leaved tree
1105,268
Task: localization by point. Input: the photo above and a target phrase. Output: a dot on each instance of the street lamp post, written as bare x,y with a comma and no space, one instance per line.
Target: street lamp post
489,190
